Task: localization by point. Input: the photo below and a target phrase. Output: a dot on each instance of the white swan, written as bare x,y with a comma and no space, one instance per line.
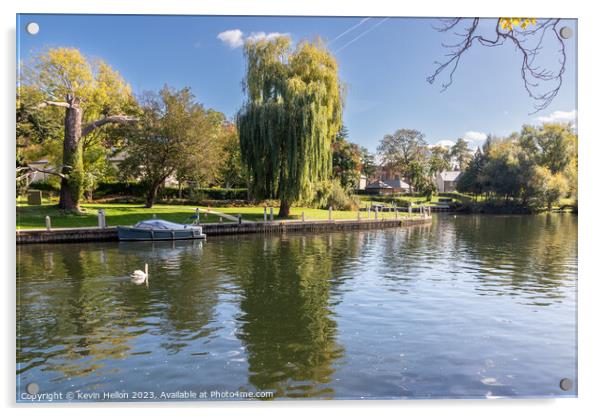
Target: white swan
139,276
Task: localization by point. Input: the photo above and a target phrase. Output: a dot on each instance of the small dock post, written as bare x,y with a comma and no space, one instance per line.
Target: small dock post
367,212
265,214
396,216
271,213
48,224
101,219
375,213
410,208
302,216
239,219
330,213
359,217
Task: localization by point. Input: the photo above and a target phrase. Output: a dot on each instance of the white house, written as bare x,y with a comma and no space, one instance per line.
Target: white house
447,180
361,184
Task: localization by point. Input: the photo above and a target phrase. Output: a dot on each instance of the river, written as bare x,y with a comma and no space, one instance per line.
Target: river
468,306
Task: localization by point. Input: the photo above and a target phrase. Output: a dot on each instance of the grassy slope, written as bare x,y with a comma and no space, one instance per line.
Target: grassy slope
417,200
128,214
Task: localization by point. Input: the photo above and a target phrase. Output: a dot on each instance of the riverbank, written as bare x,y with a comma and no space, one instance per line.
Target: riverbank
82,234
31,217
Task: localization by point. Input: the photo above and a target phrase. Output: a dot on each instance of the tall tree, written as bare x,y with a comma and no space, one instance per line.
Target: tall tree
400,149
461,153
290,118
552,145
92,95
231,171
439,160
346,160
368,163
471,180
174,134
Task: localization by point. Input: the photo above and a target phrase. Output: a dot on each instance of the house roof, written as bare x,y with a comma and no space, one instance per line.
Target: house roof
378,185
390,184
397,183
450,175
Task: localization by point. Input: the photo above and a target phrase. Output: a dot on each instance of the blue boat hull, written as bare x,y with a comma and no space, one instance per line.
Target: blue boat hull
137,234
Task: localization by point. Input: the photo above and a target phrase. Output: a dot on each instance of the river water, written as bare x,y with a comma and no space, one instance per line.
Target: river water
468,306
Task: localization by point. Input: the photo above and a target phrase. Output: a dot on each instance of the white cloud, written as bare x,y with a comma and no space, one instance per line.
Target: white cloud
235,38
559,117
444,143
475,136
255,36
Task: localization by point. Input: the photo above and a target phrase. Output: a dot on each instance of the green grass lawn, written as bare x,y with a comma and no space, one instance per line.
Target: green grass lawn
116,214
128,214
416,200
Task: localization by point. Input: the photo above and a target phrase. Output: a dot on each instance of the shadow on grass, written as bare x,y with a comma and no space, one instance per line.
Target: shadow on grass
35,216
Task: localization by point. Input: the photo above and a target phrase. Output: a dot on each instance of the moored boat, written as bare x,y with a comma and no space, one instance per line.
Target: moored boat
150,230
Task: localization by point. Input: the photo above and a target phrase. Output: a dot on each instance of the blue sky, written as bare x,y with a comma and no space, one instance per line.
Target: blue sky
383,62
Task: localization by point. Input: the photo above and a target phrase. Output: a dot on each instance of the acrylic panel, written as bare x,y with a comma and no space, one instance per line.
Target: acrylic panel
295,207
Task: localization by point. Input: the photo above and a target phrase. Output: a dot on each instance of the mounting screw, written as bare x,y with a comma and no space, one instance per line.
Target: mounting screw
32,388
32,28
566,384
566,32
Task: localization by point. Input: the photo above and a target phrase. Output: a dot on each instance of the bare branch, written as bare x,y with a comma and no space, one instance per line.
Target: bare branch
34,169
119,119
455,56
534,77
54,104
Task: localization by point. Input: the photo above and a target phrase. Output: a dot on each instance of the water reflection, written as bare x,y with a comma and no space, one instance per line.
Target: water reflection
534,257
337,315
286,322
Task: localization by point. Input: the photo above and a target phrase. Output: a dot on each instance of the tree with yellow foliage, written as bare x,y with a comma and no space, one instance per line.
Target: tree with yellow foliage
92,95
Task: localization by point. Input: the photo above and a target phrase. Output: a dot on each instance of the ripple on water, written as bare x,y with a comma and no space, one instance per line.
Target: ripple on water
462,308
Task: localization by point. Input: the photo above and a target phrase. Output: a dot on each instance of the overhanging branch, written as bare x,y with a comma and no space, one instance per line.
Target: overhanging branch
118,119
34,169
528,43
53,104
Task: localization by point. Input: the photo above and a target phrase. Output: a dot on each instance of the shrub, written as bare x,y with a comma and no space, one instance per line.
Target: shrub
332,194
136,189
45,186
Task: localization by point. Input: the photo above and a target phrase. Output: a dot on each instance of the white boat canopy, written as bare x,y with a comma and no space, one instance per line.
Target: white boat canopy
160,225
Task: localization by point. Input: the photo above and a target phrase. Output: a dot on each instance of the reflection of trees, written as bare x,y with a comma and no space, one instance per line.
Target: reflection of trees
187,290
66,318
287,326
532,255
77,308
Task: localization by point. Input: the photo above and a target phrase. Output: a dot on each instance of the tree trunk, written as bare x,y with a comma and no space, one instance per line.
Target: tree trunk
73,163
285,209
72,172
152,195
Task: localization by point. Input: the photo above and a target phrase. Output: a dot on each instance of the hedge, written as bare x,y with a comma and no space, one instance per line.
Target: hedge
45,186
137,190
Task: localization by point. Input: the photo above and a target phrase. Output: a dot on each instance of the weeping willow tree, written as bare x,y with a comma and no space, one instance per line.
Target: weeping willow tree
291,115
